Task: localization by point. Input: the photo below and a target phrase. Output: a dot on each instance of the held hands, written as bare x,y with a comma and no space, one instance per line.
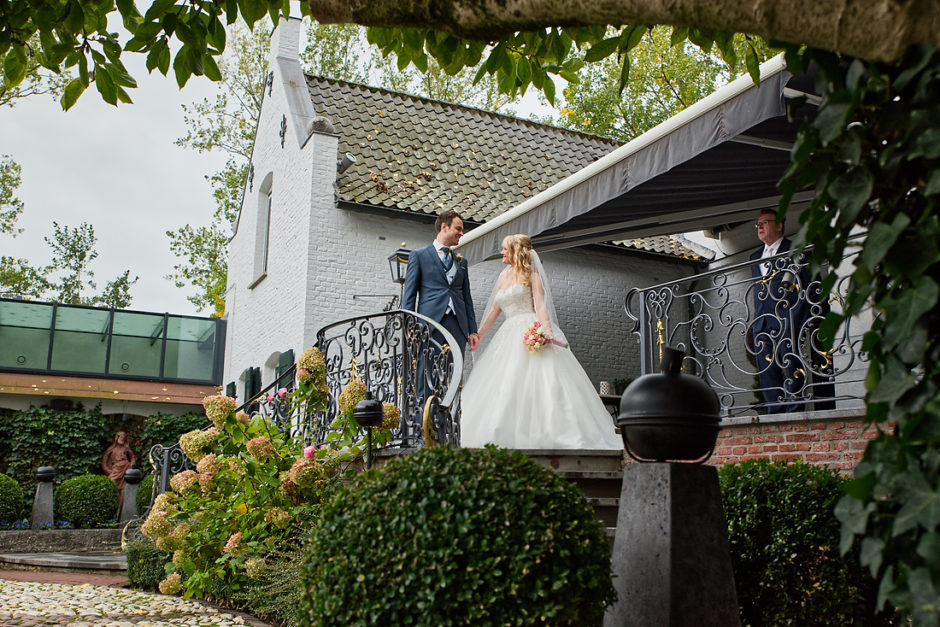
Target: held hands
473,341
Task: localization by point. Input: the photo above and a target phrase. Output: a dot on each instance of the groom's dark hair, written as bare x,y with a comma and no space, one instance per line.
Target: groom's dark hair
446,217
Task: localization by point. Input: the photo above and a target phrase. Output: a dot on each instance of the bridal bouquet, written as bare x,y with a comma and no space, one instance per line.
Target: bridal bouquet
534,337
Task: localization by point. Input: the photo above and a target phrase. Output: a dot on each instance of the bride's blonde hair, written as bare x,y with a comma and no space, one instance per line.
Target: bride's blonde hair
520,249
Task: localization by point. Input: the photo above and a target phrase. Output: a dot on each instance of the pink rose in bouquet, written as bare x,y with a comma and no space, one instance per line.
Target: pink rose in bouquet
534,337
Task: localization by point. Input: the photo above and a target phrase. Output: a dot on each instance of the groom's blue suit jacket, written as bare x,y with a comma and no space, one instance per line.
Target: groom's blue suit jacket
426,284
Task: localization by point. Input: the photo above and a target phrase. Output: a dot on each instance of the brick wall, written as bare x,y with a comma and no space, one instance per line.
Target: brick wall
836,439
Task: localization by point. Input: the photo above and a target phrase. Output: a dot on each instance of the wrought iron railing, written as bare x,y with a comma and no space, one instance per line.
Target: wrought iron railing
740,324
394,353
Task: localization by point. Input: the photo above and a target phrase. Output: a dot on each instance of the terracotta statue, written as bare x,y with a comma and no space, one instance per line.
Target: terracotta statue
117,459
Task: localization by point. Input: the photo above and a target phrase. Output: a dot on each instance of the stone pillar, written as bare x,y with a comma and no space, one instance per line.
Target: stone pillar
128,507
670,560
42,504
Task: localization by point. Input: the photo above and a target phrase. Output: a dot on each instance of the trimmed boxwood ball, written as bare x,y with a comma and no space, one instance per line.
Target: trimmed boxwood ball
450,536
11,499
86,501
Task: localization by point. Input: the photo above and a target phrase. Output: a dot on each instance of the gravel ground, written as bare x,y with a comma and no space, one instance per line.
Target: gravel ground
32,603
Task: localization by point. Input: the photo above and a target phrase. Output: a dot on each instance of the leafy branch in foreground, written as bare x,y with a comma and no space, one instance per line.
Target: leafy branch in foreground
873,156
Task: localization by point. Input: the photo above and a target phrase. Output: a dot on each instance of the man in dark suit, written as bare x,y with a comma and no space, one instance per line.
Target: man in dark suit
780,312
437,281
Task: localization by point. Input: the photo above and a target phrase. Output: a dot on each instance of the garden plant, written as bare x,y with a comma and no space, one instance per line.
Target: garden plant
87,501
254,493
451,536
784,541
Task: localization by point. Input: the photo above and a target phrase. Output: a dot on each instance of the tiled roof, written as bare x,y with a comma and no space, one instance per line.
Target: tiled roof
423,156
673,245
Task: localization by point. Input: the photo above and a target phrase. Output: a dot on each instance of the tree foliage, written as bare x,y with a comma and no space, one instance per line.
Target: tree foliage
227,124
668,75
10,206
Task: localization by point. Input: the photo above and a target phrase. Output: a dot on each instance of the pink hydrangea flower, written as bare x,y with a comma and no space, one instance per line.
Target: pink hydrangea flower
310,452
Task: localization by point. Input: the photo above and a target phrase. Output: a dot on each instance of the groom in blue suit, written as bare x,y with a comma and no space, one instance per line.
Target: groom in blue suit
438,282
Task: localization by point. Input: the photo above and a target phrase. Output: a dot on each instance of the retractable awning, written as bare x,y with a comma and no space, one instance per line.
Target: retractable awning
715,163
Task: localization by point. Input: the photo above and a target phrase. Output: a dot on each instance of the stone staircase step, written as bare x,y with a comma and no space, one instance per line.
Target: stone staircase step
576,459
605,510
90,562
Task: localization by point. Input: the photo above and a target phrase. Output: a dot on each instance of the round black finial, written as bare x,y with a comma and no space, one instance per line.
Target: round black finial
45,473
369,412
133,476
670,415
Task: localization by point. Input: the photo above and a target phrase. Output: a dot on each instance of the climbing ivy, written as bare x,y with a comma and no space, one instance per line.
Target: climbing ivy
873,156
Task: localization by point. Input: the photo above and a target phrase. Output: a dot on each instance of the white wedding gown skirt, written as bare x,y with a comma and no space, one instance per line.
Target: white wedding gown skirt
519,399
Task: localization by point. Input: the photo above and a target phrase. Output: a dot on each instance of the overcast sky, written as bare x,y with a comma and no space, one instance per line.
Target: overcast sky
118,169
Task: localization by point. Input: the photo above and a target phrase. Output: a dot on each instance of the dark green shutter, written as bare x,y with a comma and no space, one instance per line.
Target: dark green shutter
284,363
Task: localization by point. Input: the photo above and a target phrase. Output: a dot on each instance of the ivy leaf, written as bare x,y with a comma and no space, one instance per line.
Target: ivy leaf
921,504
903,312
933,183
929,547
881,237
927,144
871,554
894,382
831,121
849,193
853,514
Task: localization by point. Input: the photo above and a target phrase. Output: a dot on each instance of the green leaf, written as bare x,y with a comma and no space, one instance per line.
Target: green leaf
524,70
624,72
602,50
895,381
850,192
926,144
871,554
752,63
105,85
853,514
14,66
548,88
881,237
903,311
211,69
921,504
831,121
933,184
182,66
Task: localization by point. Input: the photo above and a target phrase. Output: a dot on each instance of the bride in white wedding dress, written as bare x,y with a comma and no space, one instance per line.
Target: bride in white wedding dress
517,398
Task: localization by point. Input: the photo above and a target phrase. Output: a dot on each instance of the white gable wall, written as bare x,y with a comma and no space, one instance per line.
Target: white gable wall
328,263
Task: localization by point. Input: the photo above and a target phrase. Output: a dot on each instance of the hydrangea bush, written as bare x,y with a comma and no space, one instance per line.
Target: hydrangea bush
255,489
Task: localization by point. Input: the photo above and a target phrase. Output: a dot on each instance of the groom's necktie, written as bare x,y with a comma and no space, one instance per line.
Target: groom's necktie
448,258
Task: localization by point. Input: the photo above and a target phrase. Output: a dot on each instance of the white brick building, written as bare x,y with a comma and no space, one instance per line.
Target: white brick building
311,242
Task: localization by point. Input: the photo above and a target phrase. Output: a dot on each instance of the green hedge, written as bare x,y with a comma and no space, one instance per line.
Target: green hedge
166,430
145,564
784,542
144,492
449,536
71,441
87,501
11,500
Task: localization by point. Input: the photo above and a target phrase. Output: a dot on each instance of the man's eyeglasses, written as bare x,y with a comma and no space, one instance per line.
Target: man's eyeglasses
761,223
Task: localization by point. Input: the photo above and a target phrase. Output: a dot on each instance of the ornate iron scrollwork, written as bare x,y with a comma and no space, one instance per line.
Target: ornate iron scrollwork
711,317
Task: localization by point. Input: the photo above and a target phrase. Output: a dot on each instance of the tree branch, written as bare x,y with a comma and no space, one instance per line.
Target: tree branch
876,30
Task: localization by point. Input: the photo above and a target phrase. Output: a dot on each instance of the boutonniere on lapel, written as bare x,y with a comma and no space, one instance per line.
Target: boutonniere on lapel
459,258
